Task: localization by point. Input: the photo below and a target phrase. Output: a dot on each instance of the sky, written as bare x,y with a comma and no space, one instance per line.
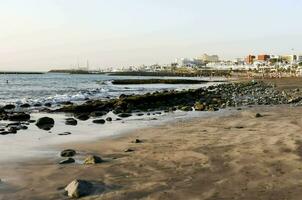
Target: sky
38,35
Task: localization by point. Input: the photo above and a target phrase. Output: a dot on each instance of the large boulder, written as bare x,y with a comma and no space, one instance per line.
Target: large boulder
83,117
92,159
9,107
199,106
79,188
99,121
124,115
68,153
71,121
19,117
26,105
108,119
98,113
45,123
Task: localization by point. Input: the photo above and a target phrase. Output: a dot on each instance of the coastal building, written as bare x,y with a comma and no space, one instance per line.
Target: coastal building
263,57
187,62
289,58
209,58
250,59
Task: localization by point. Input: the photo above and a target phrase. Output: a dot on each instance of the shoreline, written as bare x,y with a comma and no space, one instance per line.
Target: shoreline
197,159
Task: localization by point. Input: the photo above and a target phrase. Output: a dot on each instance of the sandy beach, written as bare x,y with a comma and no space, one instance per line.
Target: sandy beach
236,156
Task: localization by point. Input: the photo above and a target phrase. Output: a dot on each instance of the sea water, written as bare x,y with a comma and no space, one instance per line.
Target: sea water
57,88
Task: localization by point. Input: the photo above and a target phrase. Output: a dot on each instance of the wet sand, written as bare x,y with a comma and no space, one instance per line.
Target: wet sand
237,156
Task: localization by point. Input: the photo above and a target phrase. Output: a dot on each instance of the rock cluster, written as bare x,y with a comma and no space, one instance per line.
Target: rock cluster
203,99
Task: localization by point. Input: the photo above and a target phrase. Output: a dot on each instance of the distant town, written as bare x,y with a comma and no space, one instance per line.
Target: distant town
265,64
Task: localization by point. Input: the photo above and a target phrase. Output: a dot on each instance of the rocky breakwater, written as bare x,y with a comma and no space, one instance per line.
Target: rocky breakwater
210,98
203,99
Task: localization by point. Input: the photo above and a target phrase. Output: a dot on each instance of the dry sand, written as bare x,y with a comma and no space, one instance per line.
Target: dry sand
225,157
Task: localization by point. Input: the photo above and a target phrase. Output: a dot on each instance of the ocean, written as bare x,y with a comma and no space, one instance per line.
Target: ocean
56,88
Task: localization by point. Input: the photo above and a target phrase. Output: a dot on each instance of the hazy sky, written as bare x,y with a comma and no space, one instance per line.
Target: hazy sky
44,34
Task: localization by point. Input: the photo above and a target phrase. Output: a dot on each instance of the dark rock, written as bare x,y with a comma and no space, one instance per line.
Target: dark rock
45,123
128,150
65,133
9,107
67,103
68,153
13,130
124,115
258,115
99,121
71,121
31,121
5,133
26,105
47,104
92,159
37,105
137,141
108,119
98,113
139,114
67,161
118,119
83,117
19,117
23,127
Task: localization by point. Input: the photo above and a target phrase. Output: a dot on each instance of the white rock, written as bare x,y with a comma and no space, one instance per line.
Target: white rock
79,188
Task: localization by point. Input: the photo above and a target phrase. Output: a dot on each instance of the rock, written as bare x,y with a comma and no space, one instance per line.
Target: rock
26,105
5,133
9,107
24,127
139,114
137,141
31,121
65,133
124,115
118,119
128,150
79,188
83,117
108,119
98,113
19,117
37,105
186,108
47,104
199,106
67,161
13,130
92,159
45,123
71,121
99,121
258,115
68,153
67,103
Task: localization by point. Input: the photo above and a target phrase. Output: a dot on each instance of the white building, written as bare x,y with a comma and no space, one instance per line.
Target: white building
209,58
